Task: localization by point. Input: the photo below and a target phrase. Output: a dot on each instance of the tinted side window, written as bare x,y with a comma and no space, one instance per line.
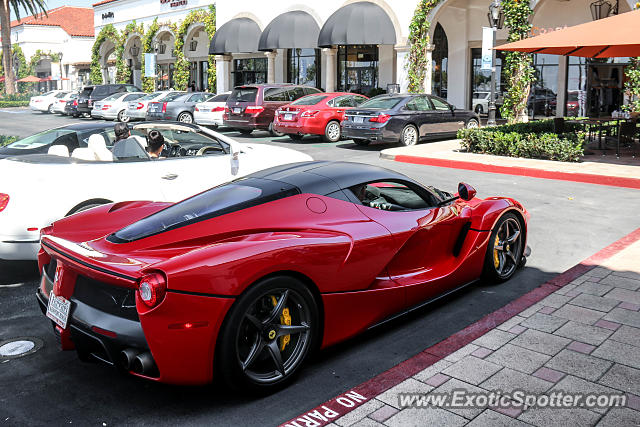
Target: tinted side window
132,97
297,92
423,104
439,104
309,90
100,91
276,94
70,140
391,196
343,101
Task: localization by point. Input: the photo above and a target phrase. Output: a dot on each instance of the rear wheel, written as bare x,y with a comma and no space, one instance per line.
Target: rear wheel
122,116
185,117
505,249
50,109
472,124
409,135
268,334
332,131
274,132
295,136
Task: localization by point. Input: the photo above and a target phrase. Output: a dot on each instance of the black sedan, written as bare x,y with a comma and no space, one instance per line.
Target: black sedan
71,136
405,118
177,109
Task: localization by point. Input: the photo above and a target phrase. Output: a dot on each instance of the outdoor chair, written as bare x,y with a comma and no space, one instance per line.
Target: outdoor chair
626,136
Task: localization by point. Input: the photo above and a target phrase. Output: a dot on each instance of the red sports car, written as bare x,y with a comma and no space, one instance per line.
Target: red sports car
317,114
243,280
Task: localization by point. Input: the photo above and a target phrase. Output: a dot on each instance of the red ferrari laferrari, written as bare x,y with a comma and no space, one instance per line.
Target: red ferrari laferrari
243,280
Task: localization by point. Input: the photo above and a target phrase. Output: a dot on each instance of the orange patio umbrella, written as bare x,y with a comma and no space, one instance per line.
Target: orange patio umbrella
616,36
30,79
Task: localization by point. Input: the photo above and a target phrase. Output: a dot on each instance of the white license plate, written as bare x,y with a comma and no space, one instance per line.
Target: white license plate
237,110
358,120
204,110
288,116
59,307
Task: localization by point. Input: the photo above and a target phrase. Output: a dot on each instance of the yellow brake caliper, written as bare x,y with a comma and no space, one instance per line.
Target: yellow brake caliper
496,258
285,319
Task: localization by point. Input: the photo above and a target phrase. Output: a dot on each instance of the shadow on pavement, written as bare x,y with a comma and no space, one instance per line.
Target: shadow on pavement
12,272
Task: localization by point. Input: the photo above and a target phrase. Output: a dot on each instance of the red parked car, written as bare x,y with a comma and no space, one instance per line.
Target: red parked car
318,114
252,107
243,281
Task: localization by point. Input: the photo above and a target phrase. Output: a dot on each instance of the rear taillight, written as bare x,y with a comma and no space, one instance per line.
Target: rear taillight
254,109
380,118
4,201
46,231
218,109
227,109
106,107
196,109
75,102
140,106
164,107
62,101
152,289
310,113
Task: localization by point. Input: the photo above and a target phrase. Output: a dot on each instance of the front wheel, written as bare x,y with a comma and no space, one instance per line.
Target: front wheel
332,132
505,249
472,124
268,334
50,109
409,135
185,117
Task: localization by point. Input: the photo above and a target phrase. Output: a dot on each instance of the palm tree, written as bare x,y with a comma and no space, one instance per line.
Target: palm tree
6,7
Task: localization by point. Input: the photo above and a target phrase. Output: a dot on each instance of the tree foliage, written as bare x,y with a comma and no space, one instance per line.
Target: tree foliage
417,63
519,71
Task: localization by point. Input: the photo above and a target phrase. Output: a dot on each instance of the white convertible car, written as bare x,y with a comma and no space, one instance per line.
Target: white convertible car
37,189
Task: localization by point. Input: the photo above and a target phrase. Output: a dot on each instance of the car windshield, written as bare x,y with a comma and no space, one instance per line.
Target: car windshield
309,100
47,93
150,96
244,94
100,91
182,98
383,103
87,91
113,97
217,201
40,139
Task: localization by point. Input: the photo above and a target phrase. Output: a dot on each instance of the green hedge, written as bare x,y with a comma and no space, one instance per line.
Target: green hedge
5,104
535,140
4,140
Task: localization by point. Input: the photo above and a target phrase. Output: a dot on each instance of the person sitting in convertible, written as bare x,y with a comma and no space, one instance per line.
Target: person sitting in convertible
155,144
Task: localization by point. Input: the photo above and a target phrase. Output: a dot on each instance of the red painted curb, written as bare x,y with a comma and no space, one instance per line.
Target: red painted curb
351,399
613,181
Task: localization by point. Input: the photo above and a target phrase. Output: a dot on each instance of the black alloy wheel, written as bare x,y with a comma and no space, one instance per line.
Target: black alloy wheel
267,334
505,249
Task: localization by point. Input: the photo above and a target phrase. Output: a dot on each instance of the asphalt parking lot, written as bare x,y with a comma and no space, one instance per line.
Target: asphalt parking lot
569,222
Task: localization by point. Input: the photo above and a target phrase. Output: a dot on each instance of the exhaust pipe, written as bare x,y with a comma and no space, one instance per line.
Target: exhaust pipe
143,363
127,356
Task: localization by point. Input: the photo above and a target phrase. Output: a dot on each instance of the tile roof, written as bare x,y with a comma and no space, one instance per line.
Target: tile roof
76,21
103,2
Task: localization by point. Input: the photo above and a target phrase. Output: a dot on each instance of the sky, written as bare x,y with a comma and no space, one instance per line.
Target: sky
52,4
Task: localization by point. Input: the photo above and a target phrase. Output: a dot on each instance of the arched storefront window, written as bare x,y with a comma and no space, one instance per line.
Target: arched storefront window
302,66
440,59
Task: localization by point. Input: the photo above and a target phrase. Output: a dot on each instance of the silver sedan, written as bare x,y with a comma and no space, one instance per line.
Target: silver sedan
114,107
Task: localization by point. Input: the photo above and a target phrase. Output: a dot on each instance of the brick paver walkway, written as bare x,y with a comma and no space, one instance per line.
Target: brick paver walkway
582,338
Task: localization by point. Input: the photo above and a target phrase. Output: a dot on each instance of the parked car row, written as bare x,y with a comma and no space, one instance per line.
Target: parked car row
281,109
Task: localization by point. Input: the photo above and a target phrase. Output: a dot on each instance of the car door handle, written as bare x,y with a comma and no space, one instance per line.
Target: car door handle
170,176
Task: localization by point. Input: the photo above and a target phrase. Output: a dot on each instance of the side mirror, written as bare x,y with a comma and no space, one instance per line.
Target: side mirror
466,191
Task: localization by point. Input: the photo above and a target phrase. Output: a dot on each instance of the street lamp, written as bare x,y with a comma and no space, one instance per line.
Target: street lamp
61,70
496,20
134,51
193,45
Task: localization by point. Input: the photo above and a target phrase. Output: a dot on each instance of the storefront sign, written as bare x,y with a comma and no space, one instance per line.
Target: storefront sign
174,3
107,15
487,44
150,65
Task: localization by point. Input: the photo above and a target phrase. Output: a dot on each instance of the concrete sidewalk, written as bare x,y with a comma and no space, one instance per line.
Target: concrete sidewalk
449,154
579,333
